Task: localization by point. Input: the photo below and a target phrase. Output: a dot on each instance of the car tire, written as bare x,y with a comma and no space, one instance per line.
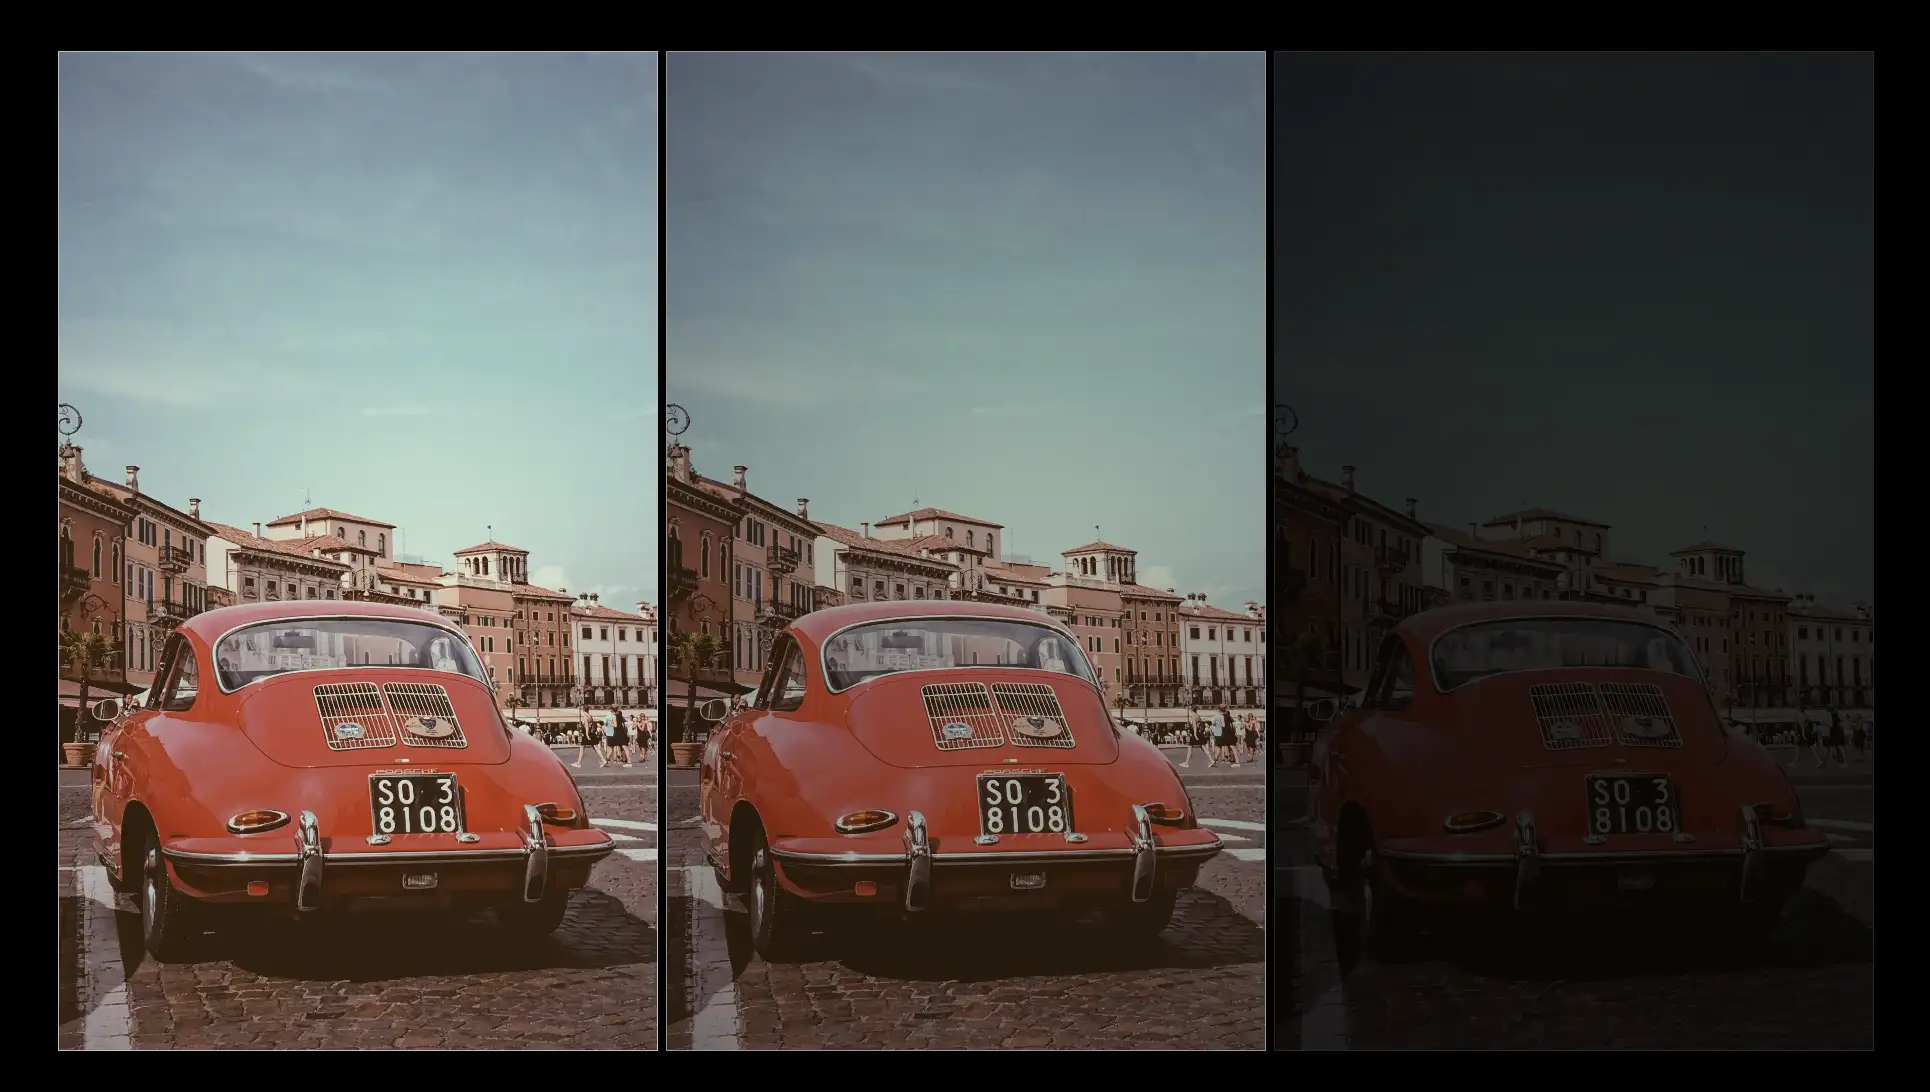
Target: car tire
776,915
1754,927
534,920
1145,920
170,921
1369,920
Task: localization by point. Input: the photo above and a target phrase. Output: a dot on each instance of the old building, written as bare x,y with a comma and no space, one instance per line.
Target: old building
92,540
1467,568
259,569
868,569
699,535
545,656
487,612
612,648
982,537
1309,524
367,534
1832,655
1223,653
164,572
772,571
1150,635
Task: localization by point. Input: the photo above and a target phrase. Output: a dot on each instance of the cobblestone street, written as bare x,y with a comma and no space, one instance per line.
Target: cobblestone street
1514,989
373,982
984,986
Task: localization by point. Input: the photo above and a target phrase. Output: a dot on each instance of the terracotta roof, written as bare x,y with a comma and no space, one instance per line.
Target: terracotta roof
328,513
1141,591
1627,572
933,513
1010,576
534,591
603,613
128,496
327,542
399,575
491,547
419,570
249,541
1529,514
1550,542
1507,546
903,547
1705,547
940,542
1821,613
1193,608
1096,547
732,493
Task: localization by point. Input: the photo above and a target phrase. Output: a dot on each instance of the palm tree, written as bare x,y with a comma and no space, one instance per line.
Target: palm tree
1303,652
697,652
513,703
84,652
1121,702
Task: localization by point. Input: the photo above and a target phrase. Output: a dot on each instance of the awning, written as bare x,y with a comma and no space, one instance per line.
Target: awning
70,691
680,697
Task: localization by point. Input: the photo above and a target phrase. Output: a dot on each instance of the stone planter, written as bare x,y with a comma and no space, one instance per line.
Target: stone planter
685,754
1293,756
77,755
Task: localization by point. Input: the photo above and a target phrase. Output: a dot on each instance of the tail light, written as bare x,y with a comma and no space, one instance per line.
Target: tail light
865,821
1780,815
1468,822
558,814
254,822
1165,813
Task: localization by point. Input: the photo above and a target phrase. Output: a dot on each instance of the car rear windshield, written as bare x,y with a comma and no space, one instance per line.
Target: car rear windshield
935,644
1542,644
321,644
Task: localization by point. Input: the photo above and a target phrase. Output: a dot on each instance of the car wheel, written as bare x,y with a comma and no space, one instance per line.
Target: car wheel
1370,920
534,920
1145,920
1754,927
168,918
775,913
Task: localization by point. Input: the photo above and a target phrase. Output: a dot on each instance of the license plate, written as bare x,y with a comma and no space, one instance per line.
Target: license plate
1638,804
415,803
1024,804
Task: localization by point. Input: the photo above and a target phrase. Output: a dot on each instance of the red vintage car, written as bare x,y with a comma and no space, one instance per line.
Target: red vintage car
1547,756
300,757
940,756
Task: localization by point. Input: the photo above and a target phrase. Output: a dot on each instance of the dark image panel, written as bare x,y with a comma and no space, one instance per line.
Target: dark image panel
1574,567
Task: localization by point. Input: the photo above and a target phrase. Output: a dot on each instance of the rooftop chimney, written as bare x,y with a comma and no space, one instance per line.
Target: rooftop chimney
804,508
1347,477
1474,529
134,478
563,591
70,465
1291,461
594,597
1411,502
257,528
680,462
867,528
1169,591
194,507
737,478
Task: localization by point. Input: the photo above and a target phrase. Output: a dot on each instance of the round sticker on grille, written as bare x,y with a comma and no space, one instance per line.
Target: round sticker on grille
432,727
956,730
1644,727
348,729
1038,727
1566,731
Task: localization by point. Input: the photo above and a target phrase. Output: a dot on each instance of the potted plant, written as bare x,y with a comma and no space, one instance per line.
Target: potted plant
85,653
695,652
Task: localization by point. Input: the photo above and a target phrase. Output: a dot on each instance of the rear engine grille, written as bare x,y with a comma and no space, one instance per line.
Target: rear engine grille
1640,714
1570,716
425,714
1032,715
353,716
962,716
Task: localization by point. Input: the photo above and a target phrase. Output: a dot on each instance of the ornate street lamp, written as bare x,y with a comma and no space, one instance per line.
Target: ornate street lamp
675,419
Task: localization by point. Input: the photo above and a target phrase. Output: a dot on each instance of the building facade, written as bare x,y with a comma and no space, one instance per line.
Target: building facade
1832,655
486,611
612,651
699,538
92,538
1151,640
545,657
367,534
165,573
982,537
258,569
1467,568
1223,653
772,572
869,569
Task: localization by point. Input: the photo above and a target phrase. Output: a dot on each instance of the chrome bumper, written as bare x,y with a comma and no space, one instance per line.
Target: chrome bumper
917,862
1145,853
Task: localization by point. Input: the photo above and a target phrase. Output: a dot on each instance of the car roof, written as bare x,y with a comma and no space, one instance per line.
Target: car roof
1429,624
821,624
210,625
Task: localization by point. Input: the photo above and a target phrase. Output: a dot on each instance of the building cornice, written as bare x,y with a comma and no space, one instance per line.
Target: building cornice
100,504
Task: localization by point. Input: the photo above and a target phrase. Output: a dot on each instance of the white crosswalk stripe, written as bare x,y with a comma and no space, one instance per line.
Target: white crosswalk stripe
1233,824
624,824
648,853
1247,854
1834,824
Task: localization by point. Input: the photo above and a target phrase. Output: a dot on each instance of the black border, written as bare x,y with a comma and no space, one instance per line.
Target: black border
663,581
1271,865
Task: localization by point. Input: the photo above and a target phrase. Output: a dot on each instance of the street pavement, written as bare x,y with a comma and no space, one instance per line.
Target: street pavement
1504,988
374,982
1199,986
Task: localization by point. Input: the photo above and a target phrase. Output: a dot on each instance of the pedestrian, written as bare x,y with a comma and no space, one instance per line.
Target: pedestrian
1190,734
1252,734
1836,740
620,736
1860,736
585,737
1229,739
1813,742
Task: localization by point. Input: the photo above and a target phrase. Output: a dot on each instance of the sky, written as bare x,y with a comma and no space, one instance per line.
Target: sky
1639,290
417,289
1031,290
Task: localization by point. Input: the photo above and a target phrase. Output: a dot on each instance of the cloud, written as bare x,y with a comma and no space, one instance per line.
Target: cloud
550,576
396,411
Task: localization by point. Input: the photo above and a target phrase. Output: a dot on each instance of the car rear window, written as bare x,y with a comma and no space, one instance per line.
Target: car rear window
935,644
1467,653
322,644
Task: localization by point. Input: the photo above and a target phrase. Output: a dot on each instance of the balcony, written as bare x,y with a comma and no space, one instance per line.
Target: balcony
168,613
775,614
73,582
1389,560
682,581
176,559
781,559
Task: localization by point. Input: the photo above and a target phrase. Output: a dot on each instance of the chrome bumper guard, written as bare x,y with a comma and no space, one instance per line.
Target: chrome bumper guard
308,850
917,862
1527,858
1752,855
1145,853
536,844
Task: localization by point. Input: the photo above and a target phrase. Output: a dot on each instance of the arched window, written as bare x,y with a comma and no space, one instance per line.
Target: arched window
95,564
382,544
362,539
705,563
117,563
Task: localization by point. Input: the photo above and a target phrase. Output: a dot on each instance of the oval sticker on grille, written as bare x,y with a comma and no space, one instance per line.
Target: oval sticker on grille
1038,727
956,730
1644,727
432,727
1565,731
348,729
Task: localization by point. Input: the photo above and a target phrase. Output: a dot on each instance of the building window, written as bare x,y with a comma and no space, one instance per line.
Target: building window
96,566
705,563
381,545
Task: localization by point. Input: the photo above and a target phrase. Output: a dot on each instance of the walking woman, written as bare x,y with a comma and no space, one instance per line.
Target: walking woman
620,737
1229,739
1252,734
1836,740
1188,734
587,736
